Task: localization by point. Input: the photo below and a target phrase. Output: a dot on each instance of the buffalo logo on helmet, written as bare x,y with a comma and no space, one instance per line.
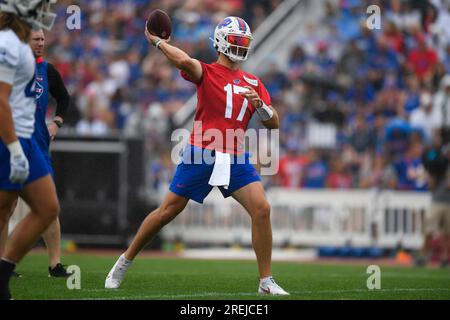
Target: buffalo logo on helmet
224,23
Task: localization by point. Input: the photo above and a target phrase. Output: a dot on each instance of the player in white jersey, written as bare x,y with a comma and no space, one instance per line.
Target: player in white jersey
23,171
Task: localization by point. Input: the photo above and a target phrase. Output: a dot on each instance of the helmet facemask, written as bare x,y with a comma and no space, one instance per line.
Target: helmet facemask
35,12
45,19
238,47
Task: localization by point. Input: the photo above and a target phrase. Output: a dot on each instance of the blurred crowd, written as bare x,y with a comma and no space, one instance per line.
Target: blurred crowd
384,92
381,90
110,68
121,84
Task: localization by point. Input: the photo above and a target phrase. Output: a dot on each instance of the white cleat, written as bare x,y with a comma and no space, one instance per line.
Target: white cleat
117,273
269,287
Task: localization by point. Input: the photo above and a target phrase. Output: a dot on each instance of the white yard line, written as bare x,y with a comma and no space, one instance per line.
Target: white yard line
247,294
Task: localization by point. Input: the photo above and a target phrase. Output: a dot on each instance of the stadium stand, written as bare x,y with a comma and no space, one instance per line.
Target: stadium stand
367,84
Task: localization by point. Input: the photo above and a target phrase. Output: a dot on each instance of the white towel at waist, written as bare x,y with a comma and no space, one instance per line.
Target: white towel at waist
221,172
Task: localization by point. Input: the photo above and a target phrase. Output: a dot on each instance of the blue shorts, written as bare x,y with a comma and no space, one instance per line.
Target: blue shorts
38,165
48,161
192,180
42,139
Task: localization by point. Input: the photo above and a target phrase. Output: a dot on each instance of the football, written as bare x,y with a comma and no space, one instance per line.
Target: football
159,24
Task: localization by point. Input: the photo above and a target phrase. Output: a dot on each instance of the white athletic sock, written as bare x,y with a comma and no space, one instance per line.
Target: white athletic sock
125,260
266,280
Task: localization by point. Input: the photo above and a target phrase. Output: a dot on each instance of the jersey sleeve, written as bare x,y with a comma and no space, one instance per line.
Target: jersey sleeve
185,76
9,60
58,90
263,93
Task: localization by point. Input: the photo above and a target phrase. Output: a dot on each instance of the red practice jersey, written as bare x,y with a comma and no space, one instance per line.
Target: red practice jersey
221,110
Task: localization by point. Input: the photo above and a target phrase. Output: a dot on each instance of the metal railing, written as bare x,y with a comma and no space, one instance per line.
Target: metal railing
359,218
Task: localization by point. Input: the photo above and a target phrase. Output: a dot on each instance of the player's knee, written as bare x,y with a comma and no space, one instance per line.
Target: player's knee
54,210
3,221
6,210
262,211
167,214
49,211
14,205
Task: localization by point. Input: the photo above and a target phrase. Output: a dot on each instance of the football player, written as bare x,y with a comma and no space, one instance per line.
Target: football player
48,82
227,99
23,170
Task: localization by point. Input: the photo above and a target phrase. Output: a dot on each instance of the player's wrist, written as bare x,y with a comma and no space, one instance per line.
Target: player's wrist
265,112
157,42
15,148
58,123
259,103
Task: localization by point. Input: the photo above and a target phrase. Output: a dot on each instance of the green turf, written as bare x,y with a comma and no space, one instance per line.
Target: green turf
164,278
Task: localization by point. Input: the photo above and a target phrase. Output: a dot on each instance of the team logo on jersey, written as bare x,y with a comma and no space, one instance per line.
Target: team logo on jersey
236,81
39,89
253,82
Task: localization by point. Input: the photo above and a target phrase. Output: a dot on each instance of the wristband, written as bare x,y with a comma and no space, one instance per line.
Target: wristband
58,123
158,43
15,148
264,112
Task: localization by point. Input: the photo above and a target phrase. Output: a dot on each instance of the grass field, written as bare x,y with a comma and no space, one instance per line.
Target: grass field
173,278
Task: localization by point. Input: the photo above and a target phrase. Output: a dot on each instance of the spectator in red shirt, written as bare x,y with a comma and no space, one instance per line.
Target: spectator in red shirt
423,60
339,177
394,37
292,166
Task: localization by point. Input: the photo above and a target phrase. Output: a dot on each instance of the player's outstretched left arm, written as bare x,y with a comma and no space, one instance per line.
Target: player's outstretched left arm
177,57
269,116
